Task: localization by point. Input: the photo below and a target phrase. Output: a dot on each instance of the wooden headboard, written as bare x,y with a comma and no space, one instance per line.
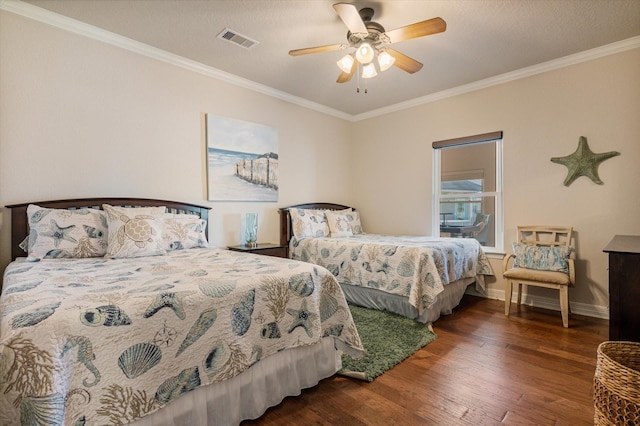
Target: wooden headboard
20,224
286,232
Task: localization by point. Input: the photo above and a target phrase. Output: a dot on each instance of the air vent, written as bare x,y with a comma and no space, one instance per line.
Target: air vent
235,38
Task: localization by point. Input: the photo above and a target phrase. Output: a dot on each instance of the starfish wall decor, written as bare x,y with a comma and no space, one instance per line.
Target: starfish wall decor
583,162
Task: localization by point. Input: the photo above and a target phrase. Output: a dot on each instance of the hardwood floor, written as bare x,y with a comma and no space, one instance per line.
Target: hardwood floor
483,369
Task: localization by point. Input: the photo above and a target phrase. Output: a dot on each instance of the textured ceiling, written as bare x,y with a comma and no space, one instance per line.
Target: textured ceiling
484,38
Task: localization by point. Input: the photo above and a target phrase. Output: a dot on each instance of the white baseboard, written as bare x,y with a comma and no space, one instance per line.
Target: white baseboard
547,303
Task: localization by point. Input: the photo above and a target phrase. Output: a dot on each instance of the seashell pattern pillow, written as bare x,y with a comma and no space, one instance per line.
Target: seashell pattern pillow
541,257
353,217
134,231
309,223
339,225
61,233
183,231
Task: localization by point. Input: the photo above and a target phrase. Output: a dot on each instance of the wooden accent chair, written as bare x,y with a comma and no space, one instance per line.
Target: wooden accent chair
542,258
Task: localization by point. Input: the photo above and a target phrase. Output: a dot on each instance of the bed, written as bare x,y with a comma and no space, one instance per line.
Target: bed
417,277
160,329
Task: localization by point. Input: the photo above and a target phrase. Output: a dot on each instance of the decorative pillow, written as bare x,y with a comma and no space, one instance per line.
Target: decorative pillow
354,221
55,233
183,231
339,225
309,223
134,231
542,257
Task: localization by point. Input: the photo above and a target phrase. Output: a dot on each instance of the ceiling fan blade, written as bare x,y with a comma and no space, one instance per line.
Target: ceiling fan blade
346,76
404,62
419,29
317,49
351,18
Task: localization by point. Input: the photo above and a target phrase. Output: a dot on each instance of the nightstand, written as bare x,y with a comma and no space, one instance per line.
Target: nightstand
266,249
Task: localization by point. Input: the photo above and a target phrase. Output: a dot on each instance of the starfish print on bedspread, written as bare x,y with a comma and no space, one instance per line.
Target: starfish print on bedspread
167,300
384,267
302,318
58,234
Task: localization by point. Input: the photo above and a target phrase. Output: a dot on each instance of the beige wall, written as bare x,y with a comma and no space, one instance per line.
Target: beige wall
542,117
80,118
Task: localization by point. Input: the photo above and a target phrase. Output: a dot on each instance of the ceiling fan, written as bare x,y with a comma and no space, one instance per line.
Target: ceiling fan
370,40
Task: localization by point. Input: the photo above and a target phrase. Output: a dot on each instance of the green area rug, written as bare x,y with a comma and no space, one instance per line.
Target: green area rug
387,338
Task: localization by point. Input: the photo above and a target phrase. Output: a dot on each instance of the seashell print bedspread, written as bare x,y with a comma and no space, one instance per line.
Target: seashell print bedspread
412,266
105,341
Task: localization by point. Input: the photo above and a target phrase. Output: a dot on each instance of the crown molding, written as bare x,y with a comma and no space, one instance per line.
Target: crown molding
77,27
587,55
59,21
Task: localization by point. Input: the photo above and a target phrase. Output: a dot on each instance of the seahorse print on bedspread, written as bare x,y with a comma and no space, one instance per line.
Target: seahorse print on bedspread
85,355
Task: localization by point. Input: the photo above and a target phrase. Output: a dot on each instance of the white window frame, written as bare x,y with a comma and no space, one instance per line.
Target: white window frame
497,194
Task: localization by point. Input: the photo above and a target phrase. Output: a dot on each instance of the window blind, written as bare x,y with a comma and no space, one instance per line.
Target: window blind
485,137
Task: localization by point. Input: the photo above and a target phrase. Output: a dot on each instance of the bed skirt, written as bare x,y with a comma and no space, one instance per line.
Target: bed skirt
251,393
376,299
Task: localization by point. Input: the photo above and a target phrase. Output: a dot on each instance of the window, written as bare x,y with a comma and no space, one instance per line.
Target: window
467,189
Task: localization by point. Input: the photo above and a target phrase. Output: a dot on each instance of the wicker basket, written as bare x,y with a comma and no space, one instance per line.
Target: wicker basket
616,384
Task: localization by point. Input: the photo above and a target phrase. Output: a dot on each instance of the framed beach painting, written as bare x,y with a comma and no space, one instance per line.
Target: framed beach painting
242,160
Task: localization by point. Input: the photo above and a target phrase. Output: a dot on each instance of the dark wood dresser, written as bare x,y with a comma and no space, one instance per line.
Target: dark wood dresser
624,287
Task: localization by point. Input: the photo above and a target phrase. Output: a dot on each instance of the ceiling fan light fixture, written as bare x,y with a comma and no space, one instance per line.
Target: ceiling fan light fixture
369,40
369,71
385,60
365,53
345,63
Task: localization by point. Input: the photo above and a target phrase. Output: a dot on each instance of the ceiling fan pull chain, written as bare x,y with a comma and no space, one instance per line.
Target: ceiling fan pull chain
358,78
